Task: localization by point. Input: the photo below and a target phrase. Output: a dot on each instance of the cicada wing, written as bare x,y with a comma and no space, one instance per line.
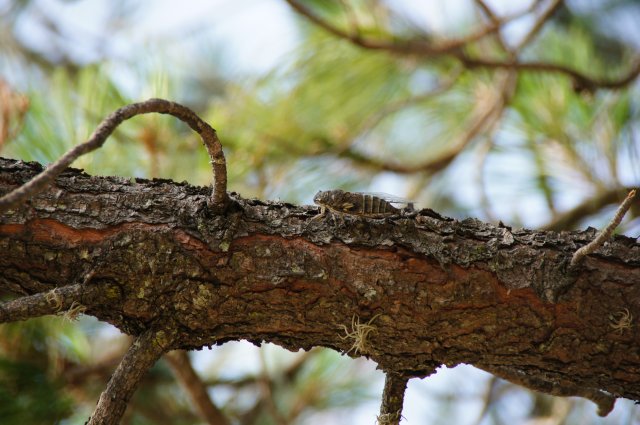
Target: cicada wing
389,198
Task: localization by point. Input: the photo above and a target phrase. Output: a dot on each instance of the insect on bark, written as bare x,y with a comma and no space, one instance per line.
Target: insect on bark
363,204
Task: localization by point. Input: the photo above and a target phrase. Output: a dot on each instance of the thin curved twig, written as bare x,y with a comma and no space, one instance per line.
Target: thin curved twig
488,399
537,26
493,17
219,197
606,232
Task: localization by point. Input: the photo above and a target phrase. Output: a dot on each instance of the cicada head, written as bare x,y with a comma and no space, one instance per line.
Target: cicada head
327,197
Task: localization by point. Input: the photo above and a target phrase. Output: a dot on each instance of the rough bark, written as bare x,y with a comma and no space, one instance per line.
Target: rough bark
392,399
435,290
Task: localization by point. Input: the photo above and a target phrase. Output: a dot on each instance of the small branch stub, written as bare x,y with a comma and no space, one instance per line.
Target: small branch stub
66,298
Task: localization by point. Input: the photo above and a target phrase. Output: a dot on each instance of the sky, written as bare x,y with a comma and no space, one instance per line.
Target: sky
255,34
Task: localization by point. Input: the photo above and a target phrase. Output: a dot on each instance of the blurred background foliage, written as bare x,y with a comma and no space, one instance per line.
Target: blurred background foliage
315,106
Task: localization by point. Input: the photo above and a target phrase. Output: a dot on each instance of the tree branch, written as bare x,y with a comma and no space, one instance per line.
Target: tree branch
37,305
442,291
193,385
537,26
143,353
67,300
606,232
104,130
488,12
406,46
488,399
392,399
582,81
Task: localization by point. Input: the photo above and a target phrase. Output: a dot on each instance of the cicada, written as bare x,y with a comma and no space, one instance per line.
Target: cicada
363,204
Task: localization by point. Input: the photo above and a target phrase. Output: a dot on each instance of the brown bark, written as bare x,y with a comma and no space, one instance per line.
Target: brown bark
142,354
436,291
392,399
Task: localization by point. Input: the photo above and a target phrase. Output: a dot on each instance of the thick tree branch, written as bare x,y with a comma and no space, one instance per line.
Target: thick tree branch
441,291
104,130
193,385
143,353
